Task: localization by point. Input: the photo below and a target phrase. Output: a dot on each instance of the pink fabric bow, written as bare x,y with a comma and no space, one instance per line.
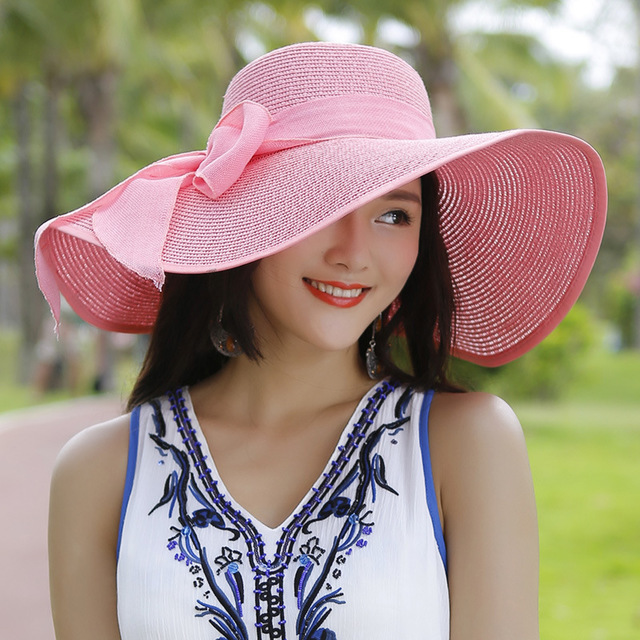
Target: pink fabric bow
232,144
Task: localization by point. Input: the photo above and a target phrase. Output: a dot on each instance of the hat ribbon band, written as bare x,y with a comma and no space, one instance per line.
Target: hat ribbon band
249,130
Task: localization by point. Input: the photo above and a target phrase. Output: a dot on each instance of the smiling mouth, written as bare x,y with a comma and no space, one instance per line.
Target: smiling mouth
337,294
334,290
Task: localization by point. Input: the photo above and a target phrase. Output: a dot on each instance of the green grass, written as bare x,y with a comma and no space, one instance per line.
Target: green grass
585,459
587,483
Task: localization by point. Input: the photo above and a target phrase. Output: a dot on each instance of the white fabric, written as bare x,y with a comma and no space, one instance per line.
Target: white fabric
388,579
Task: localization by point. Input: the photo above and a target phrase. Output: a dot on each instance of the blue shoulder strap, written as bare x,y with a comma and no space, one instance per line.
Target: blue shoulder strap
432,501
134,427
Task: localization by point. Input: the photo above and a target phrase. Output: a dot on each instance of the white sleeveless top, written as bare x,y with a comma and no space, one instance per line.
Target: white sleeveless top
362,556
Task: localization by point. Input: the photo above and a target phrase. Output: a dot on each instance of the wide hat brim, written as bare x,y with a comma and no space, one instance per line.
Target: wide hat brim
521,213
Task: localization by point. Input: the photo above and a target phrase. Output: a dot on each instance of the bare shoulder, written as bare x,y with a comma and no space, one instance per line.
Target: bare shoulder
487,506
101,447
473,411
91,468
465,426
478,450
84,516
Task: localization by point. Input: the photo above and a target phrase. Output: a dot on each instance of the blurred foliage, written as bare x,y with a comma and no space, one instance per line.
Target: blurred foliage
622,294
548,371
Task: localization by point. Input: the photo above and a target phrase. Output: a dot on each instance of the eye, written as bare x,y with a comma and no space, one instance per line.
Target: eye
395,217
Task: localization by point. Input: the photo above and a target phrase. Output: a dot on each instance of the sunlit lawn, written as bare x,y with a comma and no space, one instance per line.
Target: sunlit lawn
588,491
585,457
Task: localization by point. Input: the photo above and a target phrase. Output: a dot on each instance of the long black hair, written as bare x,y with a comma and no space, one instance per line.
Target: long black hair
413,345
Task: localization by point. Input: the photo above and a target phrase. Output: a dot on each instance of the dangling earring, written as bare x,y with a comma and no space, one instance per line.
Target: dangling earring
371,359
224,343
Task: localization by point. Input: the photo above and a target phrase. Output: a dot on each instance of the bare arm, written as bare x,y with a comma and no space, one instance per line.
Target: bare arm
84,514
488,508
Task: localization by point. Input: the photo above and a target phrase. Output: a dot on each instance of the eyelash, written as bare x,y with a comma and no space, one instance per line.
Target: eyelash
405,218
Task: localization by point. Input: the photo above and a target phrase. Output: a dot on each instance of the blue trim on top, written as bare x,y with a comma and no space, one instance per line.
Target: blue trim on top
432,500
134,428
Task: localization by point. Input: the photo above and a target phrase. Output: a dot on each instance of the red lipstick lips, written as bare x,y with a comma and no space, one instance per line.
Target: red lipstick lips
337,294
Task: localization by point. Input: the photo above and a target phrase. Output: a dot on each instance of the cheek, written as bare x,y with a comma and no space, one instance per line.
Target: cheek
284,264
400,262
268,285
275,279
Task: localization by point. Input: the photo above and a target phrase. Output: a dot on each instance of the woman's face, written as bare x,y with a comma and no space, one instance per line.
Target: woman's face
326,289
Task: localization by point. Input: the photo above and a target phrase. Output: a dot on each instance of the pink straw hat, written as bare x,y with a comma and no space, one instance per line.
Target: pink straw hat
308,133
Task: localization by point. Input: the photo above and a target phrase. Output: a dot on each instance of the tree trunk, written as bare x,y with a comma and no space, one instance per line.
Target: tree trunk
30,301
50,177
440,76
98,106
636,292
97,96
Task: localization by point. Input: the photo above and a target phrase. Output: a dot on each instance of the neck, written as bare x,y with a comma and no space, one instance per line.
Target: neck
287,383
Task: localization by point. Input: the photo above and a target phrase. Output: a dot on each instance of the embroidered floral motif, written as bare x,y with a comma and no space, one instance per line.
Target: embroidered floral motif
310,550
338,507
357,468
204,517
228,558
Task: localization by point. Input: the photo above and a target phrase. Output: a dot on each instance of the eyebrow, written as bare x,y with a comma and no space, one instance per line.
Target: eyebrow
401,194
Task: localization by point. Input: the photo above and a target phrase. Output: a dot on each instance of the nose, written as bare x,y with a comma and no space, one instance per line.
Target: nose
348,243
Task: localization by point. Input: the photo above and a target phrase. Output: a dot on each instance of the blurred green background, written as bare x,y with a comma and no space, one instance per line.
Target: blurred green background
92,91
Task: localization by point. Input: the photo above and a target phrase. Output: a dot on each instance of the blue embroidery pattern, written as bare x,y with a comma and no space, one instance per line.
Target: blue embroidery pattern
219,580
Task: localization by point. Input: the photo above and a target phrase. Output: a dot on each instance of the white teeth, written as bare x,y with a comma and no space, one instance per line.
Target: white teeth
335,291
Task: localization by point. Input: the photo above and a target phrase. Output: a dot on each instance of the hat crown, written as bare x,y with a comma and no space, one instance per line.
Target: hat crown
309,71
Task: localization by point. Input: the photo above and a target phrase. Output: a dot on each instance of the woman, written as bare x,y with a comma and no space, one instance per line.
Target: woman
297,463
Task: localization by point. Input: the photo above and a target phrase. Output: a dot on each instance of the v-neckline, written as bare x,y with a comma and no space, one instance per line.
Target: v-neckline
212,473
